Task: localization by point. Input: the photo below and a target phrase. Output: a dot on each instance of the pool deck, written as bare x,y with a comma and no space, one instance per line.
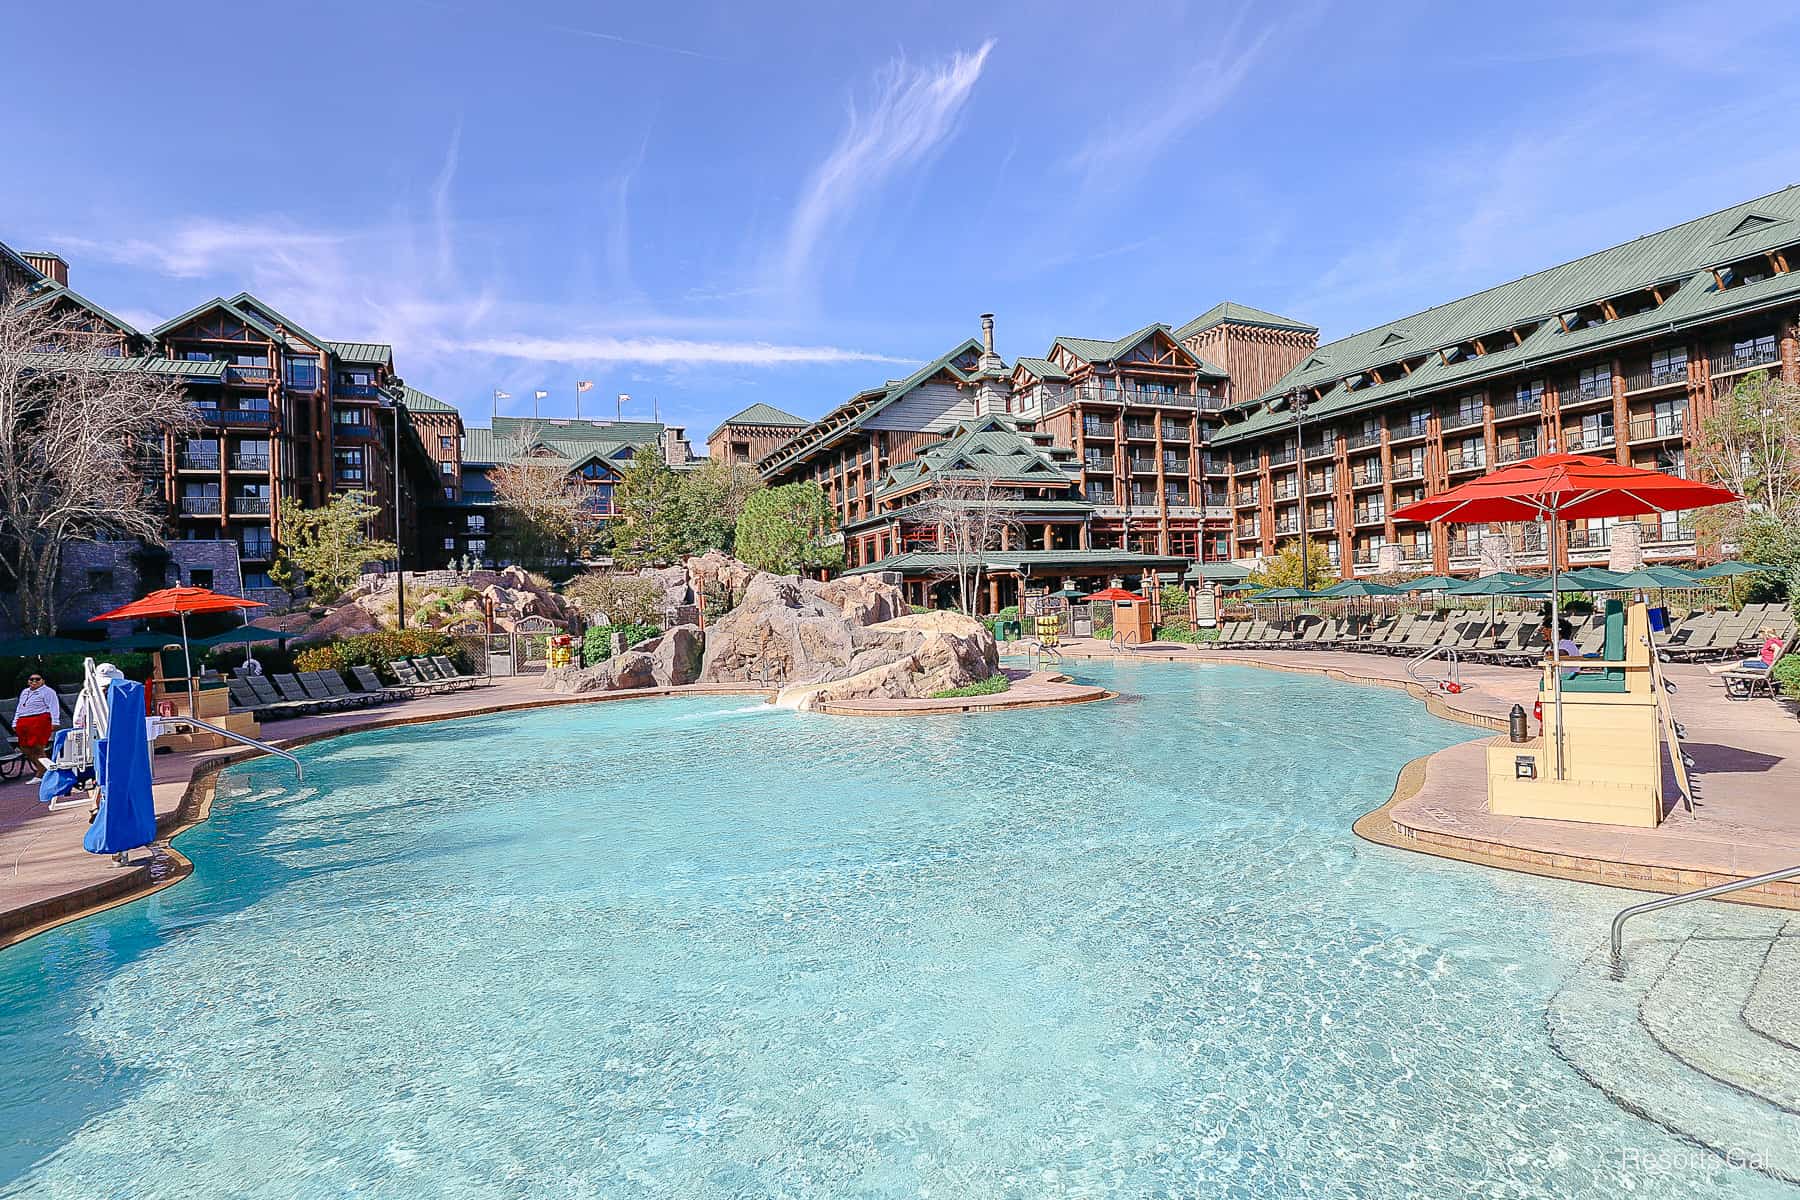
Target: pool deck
47,879
1746,753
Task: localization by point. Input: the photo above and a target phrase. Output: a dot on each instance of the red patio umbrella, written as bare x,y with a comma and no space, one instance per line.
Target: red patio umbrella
1113,595
1552,487
179,602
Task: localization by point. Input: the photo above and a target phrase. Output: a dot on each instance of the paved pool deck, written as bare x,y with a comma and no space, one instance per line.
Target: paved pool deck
1746,818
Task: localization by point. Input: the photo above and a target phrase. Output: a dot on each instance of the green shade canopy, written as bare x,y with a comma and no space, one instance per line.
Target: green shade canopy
1501,584
1648,578
1596,579
1283,593
1732,566
1358,587
30,647
1430,583
250,633
1564,584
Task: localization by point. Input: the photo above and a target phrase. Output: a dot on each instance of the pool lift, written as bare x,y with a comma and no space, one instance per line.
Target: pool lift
76,746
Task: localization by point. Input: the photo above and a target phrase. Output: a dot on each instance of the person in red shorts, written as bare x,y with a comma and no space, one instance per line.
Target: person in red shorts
35,720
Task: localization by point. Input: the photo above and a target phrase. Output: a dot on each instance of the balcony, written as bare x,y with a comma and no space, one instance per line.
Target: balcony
1142,433
1510,452
1249,533
1176,464
1415,556
1463,460
249,373
1593,538
1247,467
249,506
1465,548
346,431
1362,440
1363,477
1250,499
1405,469
1284,456
1055,397
1586,441
356,391
1214,499
1094,429
199,506
1462,418
1283,528
1657,427
1142,466
239,418
1322,523
1143,499
1658,533
1646,376
1176,499
1100,464
1518,406
1370,516
1746,356
1101,496
197,462
257,549
250,462
1320,485
1288,492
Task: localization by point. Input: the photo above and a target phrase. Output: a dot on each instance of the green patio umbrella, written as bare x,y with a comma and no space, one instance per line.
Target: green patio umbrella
1283,593
1500,584
1596,579
31,647
1430,583
1541,586
1731,567
1650,579
252,633
1358,587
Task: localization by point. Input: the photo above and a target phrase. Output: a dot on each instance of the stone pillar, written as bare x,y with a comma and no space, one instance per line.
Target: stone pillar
1626,551
1387,559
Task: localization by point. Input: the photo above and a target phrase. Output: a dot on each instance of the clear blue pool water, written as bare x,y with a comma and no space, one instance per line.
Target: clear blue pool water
700,948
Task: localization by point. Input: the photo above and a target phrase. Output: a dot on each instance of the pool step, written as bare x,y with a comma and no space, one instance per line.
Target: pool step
1594,1025
1695,1012
1773,1009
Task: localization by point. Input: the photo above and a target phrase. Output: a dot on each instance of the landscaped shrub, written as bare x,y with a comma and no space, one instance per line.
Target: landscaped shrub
63,671
1181,633
1787,674
1174,598
378,649
596,644
992,685
623,599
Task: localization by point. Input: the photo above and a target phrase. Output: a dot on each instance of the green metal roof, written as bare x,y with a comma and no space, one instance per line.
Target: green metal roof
764,414
149,364
418,401
1045,508
988,447
1076,561
50,291
248,318
372,354
1097,351
567,429
1682,255
1044,369
485,446
1231,312
18,261
273,316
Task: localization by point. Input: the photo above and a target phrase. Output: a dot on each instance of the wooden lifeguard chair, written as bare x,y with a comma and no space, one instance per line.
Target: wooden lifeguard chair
1615,723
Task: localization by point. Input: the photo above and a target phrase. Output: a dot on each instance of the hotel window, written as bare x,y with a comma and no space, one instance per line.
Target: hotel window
478,547
449,493
257,579
1668,366
594,470
347,461
477,523
200,577
446,443
449,543
447,468
303,373
1594,382
350,417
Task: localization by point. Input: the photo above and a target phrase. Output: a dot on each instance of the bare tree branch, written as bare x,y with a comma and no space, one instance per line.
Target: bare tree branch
970,520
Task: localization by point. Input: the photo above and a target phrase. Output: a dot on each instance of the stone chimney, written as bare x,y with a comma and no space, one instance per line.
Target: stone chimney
1625,548
51,265
994,390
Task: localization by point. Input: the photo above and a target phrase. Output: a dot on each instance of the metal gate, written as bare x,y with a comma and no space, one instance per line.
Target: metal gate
472,636
531,643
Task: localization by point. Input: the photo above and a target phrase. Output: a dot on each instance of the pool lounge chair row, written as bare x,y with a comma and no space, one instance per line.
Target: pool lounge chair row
1724,635
1508,639
303,693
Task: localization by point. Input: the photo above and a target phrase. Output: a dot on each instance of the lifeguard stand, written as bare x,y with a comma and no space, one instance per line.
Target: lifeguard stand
1614,719
1131,622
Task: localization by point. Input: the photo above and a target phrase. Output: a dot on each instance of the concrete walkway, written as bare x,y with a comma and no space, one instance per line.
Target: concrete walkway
1746,776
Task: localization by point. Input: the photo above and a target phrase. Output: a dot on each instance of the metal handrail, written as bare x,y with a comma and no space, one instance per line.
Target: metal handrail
1451,659
1718,889
299,767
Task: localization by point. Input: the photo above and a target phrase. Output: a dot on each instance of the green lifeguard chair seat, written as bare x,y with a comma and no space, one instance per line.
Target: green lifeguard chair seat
1605,679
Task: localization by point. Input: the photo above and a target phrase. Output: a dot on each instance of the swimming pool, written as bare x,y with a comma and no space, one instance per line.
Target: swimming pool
701,947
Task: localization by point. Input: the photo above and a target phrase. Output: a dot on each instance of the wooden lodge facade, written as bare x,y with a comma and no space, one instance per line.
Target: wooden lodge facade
747,436
1623,354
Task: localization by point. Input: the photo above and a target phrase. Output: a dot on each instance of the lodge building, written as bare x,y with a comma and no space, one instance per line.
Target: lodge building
746,436
1622,353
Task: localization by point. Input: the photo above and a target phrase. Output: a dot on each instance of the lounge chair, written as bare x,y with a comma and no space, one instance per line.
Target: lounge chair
1693,632
409,675
335,691
370,684
1420,636
449,670
1750,677
432,673
294,692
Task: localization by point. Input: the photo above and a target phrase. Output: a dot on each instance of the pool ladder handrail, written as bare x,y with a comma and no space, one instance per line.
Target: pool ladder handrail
1452,660
1708,893
221,731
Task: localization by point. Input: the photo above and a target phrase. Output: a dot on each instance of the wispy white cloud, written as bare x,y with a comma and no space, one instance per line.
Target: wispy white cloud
915,110
1135,137
663,351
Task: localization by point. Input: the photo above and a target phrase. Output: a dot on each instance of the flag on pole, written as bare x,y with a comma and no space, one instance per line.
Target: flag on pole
535,397
623,401
584,385
498,397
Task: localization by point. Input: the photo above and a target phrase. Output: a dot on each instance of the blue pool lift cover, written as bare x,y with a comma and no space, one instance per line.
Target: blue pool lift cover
127,817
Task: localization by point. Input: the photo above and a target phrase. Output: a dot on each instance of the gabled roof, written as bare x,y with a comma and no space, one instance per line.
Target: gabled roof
763,414
49,291
865,404
248,318
990,447
1682,254
19,264
1231,312
273,316
566,429
573,442
1093,351
370,354
417,401
1048,561
1044,369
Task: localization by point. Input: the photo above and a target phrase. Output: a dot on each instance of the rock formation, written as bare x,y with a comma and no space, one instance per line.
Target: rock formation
909,657
669,659
788,628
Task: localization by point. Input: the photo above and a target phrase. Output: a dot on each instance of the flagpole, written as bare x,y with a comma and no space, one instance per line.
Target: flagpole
578,400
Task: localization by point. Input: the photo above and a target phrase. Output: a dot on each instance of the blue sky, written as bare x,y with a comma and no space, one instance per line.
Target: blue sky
713,204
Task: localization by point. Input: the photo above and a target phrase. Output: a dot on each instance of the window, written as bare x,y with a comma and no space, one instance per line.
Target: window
446,443
349,416
200,577
449,543
594,470
449,493
447,468
1668,366
740,449
99,581
348,463
478,547
257,579
477,523
303,374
